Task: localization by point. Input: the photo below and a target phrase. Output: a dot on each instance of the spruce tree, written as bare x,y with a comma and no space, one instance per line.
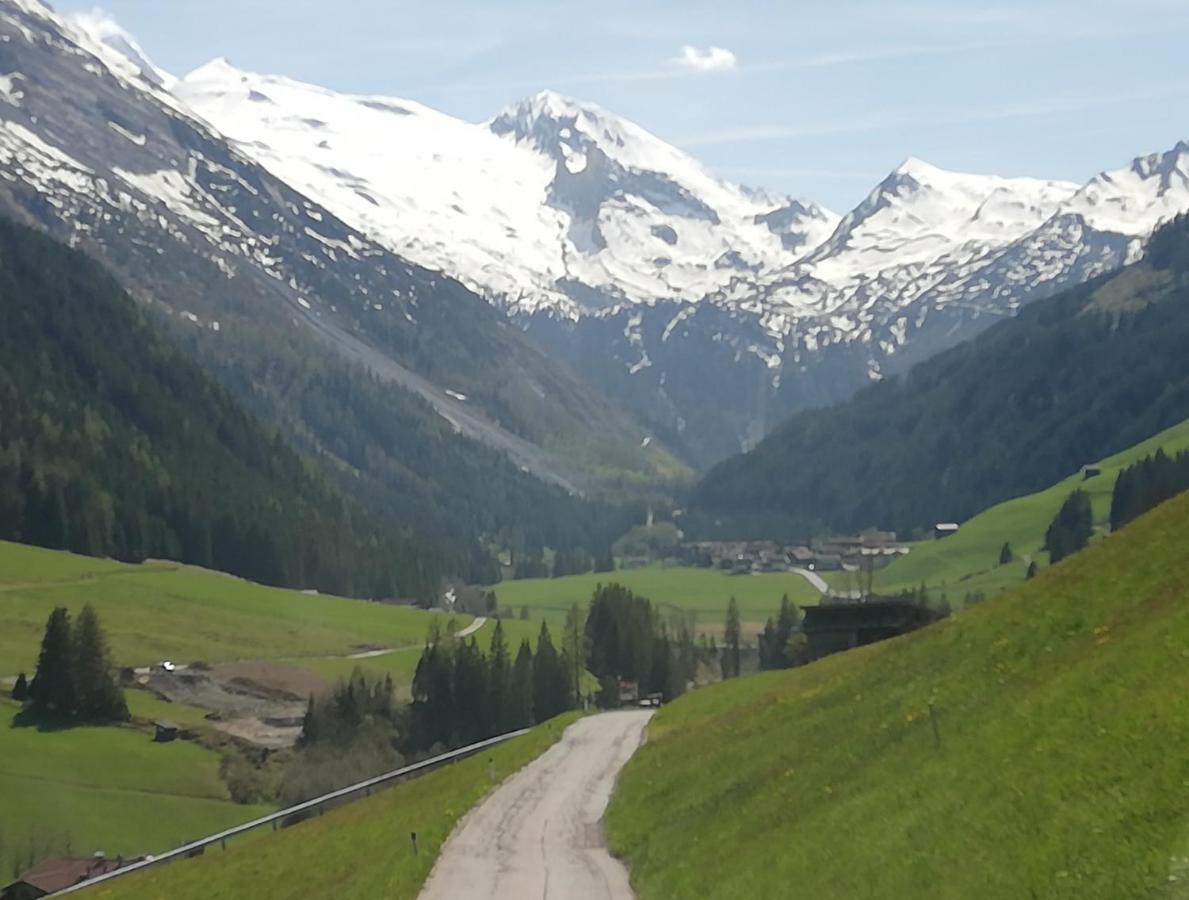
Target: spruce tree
786,624
768,647
97,696
573,643
550,684
20,690
1033,568
499,675
732,638
52,688
1072,528
521,687
1005,554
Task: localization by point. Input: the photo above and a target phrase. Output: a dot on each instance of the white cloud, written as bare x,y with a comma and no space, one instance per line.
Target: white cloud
706,59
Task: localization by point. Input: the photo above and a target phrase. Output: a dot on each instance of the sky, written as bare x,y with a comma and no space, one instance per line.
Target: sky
817,99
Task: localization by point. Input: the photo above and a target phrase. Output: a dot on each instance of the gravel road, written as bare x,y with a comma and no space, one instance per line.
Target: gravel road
539,835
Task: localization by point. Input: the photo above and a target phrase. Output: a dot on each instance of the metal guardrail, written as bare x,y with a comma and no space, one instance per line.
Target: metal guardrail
194,848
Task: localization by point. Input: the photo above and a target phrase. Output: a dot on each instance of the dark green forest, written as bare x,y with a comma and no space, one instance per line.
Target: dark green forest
112,443
1147,484
1068,381
390,451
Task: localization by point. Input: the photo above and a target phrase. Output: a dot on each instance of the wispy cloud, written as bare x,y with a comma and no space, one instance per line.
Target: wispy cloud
706,59
888,119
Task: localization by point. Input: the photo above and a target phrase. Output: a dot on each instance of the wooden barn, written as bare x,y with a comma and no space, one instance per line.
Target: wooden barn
834,626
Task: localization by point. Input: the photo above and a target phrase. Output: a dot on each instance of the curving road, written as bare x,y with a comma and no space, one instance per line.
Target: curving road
539,835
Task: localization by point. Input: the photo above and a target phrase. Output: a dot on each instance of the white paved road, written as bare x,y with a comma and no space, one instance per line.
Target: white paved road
539,835
813,578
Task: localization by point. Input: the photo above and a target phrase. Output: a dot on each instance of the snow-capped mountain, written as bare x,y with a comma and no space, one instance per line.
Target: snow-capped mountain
707,309
95,151
552,205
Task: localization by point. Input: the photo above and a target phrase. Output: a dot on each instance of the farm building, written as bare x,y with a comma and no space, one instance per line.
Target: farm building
165,732
832,627
52,875
945,529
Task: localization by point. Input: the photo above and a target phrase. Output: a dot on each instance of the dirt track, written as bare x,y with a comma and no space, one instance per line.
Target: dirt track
539,835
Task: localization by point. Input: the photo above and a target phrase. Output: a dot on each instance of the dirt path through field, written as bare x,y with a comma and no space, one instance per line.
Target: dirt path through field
539,835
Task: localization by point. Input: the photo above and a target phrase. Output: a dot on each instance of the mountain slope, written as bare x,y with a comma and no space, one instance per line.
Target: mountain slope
666,285
1057,709
554,205
1070,380
421,398
968,562
114,444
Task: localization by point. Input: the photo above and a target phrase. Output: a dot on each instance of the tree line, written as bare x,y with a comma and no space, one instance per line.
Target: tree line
462,695
1146,484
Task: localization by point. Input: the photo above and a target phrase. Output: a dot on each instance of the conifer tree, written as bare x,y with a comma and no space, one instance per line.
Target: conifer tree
521,687
768,647
1072,529
470,694
1005,554
20,690
573,643
499,675
52,688
550,684
732,638
786,624
97,696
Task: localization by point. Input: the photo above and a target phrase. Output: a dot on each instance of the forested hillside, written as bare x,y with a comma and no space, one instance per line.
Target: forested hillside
1070,380
112,443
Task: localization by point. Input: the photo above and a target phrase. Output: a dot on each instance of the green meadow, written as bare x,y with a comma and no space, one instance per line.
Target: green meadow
360,850
704,593
1030,746
111,789
401,664
166,611
968,562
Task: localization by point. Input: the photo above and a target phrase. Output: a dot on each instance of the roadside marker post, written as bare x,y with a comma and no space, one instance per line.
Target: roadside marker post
413,838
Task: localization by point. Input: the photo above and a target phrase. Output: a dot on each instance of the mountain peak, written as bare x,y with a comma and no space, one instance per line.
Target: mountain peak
918,168
552,104
218,69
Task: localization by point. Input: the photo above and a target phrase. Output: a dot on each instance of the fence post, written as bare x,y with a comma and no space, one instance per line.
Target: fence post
413,838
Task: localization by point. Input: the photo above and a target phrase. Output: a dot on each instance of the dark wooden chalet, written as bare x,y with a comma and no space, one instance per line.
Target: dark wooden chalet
834,626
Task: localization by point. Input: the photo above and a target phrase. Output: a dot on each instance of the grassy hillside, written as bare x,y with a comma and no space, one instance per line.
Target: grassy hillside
109,789
968,562
1062,716
159,611
703,592
357,851
1071,379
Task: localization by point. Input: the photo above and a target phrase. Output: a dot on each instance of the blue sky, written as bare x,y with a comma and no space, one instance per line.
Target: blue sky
820,99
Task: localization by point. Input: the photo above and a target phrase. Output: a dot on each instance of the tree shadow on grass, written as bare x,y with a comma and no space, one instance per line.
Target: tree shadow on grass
30,717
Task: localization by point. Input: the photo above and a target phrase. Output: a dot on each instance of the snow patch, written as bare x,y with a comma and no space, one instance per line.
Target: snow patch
9,92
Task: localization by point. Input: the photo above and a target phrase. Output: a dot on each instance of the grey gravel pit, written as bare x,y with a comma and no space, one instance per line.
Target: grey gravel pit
540,834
